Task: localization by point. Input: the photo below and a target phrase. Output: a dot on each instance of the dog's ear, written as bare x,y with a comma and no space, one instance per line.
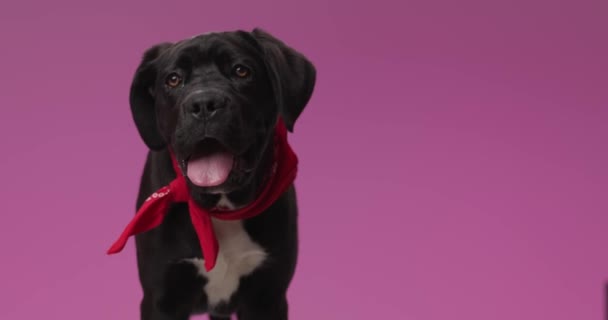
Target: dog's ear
292,76
141,98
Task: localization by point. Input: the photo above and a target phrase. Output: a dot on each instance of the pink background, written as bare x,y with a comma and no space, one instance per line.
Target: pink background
453,157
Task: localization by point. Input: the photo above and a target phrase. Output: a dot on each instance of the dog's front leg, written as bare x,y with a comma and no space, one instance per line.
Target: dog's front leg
150,311
175,298
270,309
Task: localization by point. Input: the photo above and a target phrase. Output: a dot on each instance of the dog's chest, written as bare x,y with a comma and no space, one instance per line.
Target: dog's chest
238,256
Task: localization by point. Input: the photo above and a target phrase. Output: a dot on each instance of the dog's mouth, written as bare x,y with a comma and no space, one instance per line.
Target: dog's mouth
210,165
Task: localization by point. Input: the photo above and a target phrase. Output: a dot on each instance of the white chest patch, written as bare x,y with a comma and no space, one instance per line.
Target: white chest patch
238,256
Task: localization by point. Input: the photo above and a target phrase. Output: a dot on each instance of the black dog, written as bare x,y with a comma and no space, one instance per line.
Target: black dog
217,97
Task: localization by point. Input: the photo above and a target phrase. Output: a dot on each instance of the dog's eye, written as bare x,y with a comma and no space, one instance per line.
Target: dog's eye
174,80
241,71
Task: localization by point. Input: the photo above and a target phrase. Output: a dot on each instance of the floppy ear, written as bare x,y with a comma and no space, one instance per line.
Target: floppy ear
291,74
141,98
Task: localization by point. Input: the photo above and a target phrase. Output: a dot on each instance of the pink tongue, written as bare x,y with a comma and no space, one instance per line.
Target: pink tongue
210,170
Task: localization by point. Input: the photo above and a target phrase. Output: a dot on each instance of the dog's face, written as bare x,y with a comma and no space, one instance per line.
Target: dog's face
214,101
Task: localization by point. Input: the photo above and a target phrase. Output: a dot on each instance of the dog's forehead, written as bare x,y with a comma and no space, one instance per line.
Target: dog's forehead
203,40
214,43
205,37
202,34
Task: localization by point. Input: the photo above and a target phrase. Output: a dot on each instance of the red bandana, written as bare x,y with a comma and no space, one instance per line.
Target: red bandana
154,209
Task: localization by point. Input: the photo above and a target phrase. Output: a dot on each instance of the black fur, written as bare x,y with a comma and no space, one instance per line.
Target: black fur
240,114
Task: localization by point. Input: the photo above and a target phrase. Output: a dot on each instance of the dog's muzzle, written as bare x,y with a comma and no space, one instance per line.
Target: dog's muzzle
204,104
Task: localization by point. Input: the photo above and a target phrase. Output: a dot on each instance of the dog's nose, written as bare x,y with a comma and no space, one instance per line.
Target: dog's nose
205,105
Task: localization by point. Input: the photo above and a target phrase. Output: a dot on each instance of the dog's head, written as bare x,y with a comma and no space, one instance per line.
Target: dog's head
214,100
